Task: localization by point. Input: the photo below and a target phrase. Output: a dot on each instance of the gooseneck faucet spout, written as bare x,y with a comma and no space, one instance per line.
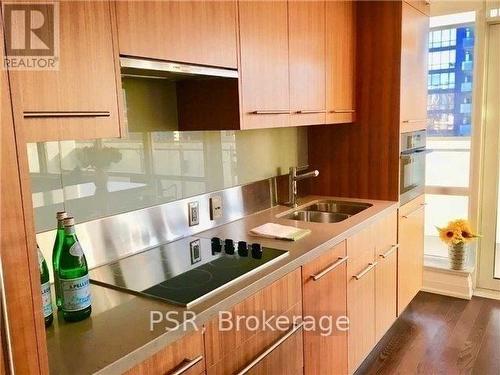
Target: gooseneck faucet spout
293,177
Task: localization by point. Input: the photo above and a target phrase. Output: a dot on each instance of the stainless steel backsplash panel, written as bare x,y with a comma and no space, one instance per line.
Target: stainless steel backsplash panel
108,239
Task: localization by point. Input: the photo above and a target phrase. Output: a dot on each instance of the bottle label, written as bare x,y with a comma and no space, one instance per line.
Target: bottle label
46,299
75,293
76,250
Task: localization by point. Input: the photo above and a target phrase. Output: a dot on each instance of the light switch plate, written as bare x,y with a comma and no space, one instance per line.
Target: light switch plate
215,207
193,213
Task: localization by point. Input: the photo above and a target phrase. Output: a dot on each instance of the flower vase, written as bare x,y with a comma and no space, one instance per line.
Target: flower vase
457,254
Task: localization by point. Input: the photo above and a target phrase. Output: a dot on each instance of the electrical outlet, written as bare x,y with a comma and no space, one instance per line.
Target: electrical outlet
215,207
193,213
194,247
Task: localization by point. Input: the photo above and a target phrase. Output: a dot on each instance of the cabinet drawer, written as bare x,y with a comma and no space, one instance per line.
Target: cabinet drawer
184,355
259,353
325,294
283,297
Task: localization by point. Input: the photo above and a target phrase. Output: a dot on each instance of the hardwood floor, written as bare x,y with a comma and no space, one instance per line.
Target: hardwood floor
440,335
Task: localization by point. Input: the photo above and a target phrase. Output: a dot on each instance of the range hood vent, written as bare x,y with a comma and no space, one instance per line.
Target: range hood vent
145,68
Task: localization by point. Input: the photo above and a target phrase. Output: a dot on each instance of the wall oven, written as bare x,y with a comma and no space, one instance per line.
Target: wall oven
412,169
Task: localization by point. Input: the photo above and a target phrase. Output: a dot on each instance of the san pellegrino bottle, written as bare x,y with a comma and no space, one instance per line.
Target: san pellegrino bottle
48,314
56,254
73,275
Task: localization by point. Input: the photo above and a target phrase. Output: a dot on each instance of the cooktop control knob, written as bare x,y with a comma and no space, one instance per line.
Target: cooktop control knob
216,245
242,249
256,251
229,246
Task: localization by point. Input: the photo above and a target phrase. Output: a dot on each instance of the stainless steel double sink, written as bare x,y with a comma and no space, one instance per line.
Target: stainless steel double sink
327,211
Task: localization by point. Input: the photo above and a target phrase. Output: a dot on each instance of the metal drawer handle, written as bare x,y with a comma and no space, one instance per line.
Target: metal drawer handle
390,251
414,211
43,114
365,271
343,111
414,121
272,112
268,351
329,268
186,365
307,111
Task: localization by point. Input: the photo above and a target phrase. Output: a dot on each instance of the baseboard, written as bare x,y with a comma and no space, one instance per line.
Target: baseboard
487,293
447,282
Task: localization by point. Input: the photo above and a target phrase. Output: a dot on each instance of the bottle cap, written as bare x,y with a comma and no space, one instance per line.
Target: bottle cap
61,215
69,222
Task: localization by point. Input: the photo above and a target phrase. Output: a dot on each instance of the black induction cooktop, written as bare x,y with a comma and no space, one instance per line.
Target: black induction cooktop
186,271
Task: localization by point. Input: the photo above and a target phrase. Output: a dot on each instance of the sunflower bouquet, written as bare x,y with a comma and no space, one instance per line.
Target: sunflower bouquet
457,234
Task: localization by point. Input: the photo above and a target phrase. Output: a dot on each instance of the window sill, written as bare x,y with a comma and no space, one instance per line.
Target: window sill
440,279
440,264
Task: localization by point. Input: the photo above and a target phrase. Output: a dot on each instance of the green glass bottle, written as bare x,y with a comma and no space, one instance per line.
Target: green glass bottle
73,275
48,314
56,254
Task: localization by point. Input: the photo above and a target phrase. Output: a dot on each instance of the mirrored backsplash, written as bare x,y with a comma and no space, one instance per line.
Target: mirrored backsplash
95,179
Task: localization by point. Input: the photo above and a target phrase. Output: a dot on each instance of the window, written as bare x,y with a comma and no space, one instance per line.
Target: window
449,106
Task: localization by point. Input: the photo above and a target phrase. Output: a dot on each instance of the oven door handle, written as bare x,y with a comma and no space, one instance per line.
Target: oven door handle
415,153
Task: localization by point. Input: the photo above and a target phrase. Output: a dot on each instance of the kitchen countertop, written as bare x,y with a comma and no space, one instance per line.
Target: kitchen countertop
117,336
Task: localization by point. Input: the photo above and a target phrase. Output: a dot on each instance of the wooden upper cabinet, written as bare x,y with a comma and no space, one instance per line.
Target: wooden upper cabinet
414,52
264,84
324,289
411,251
306,20
198,32
340,61
79,99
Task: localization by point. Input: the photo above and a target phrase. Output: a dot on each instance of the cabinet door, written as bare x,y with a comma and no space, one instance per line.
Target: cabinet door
306,20
325,294
411,251
340,61
198,32
19,274
360,296
422,5
386,274
264,85
79,99
415,33
184,356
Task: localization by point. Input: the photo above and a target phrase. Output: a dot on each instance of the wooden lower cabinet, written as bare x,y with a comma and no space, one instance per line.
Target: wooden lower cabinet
230,351
386,274
360,296
324,289
184,356
411,251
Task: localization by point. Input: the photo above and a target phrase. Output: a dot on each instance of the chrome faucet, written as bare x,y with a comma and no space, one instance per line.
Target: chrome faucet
293,177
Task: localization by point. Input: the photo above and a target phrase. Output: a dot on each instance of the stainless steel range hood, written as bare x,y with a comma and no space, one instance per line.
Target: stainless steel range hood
146,68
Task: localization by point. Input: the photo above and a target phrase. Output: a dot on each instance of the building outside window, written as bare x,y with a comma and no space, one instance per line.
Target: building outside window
449,105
